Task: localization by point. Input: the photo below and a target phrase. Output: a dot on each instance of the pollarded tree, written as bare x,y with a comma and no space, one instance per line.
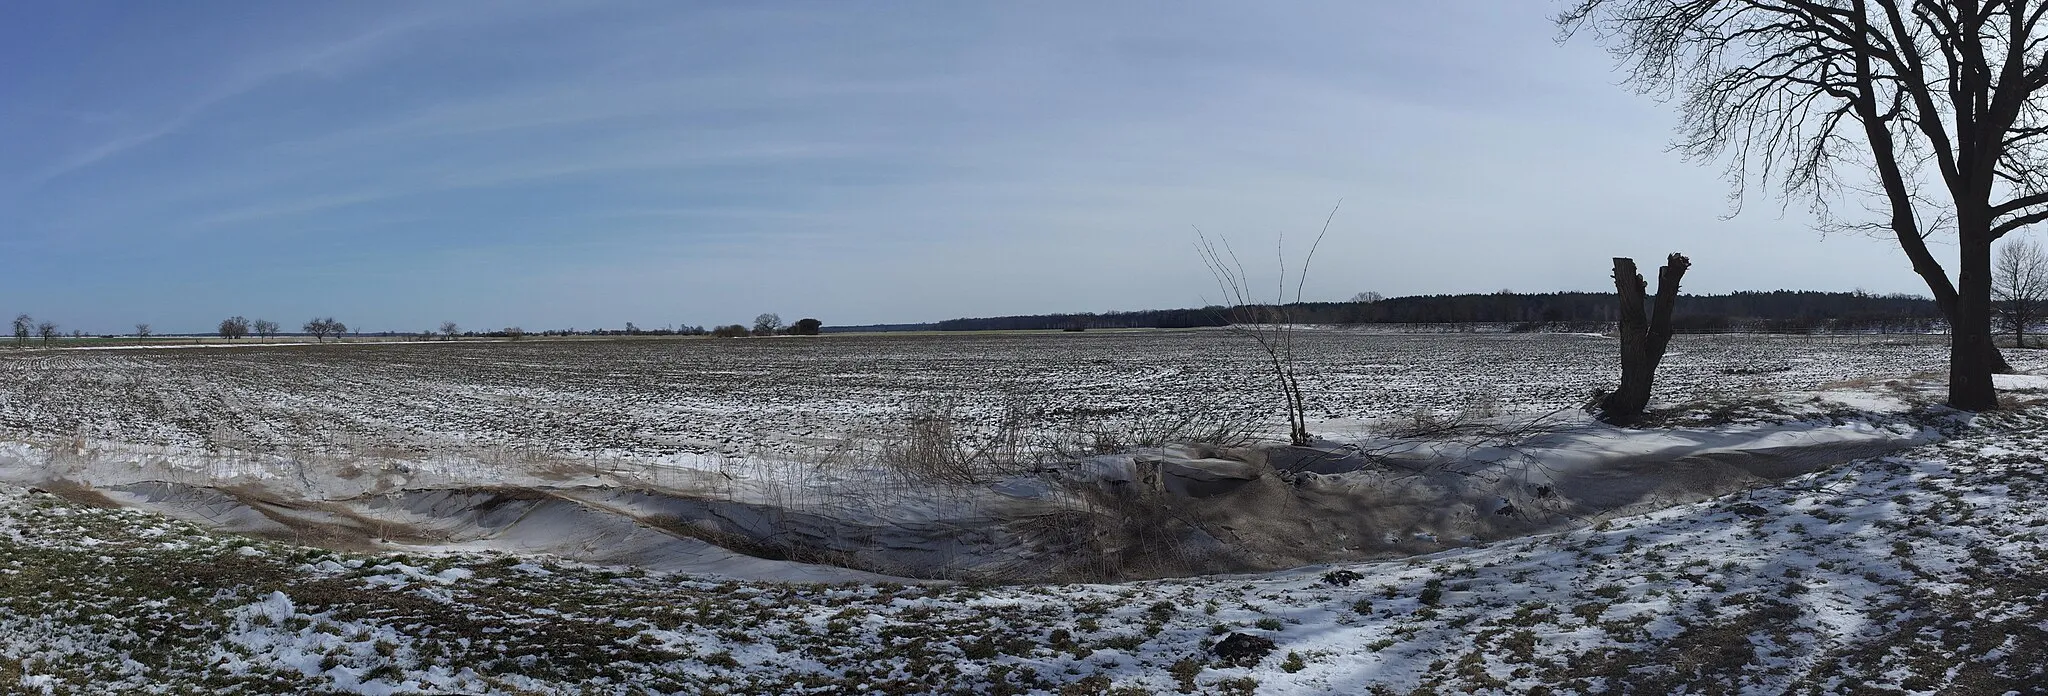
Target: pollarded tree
1941,102
2019,284
1644,334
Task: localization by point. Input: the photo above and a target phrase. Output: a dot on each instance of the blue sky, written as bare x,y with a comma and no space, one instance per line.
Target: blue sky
570,164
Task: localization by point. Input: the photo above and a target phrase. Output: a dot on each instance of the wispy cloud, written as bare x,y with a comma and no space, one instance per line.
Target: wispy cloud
674,155
245,76
585,100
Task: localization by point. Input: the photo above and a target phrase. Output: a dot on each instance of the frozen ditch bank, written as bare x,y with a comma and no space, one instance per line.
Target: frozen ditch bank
1158,513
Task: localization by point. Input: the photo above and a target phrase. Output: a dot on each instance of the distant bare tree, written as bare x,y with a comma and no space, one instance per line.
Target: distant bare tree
767,324
234,327
24,325
1367,297
323,327
730,331
47,330
142,331
448,330
515,333
266,328
2019,283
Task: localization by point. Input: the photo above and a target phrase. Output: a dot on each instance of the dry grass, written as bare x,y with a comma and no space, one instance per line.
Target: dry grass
939,441
1476,414
935,445
1088,433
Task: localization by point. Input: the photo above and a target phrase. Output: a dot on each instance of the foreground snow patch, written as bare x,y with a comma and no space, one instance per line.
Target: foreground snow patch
1924,569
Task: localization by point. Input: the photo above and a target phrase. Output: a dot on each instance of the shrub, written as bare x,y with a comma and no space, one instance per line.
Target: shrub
1184,673
1341,578
1293,663
1432,592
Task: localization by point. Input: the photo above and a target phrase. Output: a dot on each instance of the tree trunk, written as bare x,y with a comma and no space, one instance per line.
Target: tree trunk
2020,314
1950,306
1643,339
1971,351
1903,224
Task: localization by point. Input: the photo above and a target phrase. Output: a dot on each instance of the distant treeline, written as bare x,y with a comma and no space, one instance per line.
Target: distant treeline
874,328
1775,311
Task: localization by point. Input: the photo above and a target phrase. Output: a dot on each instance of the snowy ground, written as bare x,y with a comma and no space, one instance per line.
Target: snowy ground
1920,572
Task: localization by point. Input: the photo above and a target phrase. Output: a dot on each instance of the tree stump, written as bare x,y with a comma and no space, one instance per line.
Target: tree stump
1643,339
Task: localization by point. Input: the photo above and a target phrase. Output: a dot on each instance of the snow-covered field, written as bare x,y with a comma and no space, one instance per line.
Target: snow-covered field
653,398
1921,571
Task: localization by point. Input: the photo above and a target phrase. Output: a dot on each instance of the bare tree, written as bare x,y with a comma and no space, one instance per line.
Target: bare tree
23,326
448,330
234,327
266,328
323,327
515,333
142,331
1270,327
767,324
1905,92
2019,283
47,330
1367,297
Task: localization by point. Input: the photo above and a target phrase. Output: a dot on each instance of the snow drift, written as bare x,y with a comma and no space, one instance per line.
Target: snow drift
1154,513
